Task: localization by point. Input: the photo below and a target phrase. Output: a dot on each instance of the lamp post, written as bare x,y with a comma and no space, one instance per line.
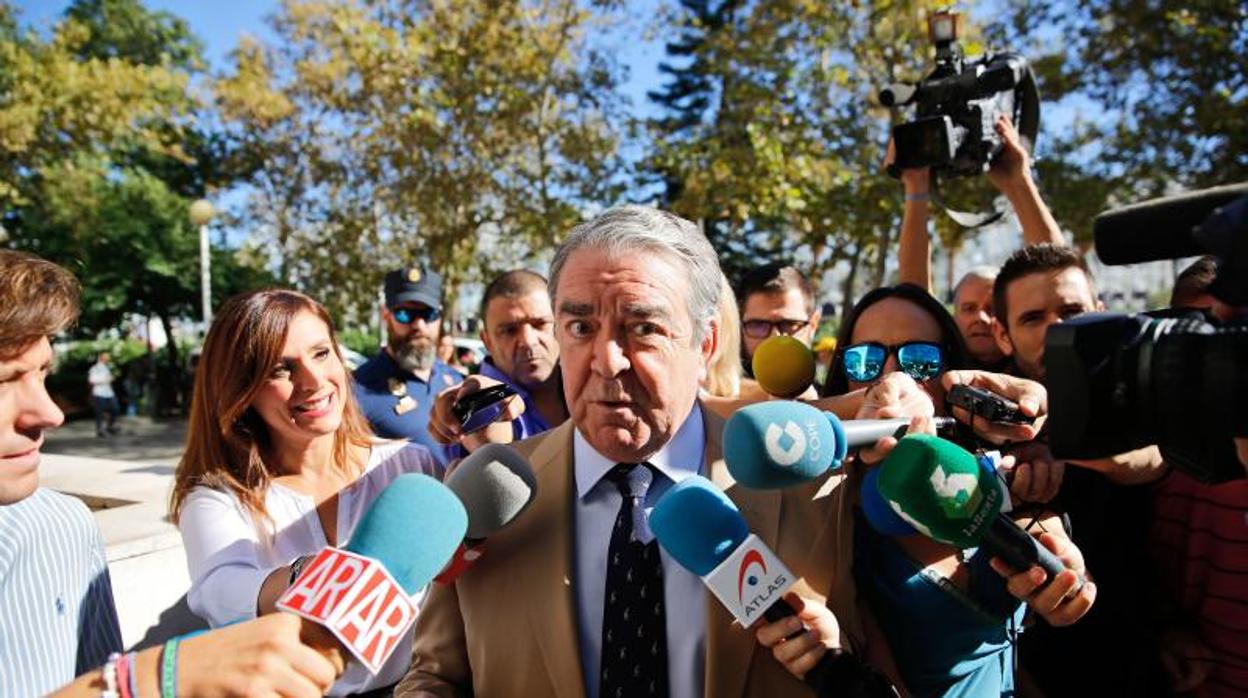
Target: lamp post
201,213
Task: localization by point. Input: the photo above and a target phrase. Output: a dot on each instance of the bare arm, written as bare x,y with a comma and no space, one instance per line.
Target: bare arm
1011,174
914,250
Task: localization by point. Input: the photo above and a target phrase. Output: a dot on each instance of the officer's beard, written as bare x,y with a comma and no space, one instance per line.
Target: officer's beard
415,355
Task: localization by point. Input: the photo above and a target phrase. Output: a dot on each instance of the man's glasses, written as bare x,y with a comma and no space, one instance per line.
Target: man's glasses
760,329
405,316
865,361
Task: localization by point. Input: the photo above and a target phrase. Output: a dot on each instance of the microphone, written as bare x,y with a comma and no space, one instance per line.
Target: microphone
783,366
777,444
703,531
495,485
1169,228
881,516
945,493
360,596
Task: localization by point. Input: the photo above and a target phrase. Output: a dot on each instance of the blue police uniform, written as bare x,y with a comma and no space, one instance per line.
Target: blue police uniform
397,403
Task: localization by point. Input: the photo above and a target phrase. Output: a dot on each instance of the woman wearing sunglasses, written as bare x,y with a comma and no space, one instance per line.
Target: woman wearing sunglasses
896,328
949,618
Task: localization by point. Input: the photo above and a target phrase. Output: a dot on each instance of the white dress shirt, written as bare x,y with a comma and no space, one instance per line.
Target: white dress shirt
684,596
229,560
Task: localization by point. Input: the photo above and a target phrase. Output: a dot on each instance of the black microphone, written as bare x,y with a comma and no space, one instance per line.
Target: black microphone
1167,228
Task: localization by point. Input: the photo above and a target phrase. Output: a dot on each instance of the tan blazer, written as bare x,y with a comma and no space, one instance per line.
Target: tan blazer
507,627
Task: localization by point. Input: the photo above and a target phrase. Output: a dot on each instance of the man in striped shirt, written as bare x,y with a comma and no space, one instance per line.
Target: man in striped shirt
57,617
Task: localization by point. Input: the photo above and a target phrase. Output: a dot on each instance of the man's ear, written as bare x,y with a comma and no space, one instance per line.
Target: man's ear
1002,336
485,339
710,343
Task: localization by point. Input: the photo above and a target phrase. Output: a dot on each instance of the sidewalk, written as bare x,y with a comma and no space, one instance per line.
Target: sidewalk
126,481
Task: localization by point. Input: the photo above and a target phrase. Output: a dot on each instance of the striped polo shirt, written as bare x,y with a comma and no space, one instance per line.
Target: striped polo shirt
1200,539
57,618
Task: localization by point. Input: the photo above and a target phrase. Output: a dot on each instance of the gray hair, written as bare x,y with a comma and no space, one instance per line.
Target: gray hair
988,274
631,228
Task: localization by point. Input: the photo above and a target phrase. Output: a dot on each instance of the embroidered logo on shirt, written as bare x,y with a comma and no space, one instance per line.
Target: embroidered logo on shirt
406,404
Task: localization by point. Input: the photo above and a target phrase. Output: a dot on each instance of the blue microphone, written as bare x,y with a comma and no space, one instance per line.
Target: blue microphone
412,528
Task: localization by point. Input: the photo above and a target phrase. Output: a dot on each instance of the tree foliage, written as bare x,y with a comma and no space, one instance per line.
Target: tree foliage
412,130
100,156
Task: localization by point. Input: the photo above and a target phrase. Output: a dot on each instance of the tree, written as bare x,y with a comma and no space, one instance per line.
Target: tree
790,162
1168,89
100,157
400,131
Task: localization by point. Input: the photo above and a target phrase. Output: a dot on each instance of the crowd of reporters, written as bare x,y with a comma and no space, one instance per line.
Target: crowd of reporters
622,369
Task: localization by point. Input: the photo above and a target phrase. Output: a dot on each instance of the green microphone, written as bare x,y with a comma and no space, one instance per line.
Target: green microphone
941,490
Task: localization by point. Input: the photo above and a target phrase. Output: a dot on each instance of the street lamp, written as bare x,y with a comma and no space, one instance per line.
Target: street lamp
201,213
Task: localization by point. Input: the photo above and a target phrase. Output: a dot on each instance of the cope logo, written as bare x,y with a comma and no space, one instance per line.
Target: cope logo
958,494
774,440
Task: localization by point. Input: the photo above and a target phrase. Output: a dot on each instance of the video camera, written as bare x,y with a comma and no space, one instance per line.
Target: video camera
958,104
1175,378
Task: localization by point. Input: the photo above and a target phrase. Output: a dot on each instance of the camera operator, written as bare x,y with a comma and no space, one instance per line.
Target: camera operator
1197,541
1038,287
1010,173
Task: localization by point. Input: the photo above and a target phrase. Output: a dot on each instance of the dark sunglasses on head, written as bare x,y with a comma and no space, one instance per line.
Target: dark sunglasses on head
759,329
405,316
865,361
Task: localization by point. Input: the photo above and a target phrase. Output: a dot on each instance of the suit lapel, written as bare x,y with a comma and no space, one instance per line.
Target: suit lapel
729,647
552,612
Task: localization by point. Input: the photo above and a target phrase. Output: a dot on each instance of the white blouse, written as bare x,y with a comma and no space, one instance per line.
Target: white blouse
228,560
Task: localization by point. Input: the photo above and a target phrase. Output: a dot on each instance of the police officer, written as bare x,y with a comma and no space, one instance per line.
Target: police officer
396,389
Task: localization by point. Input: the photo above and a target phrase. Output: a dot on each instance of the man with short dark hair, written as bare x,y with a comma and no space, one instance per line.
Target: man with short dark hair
1038,286
775,299
396,389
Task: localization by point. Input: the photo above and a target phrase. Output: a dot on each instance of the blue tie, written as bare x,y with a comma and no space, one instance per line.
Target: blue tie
634,623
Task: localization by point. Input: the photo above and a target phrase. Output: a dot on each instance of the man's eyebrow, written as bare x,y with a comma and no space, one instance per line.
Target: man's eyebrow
576,309
644,311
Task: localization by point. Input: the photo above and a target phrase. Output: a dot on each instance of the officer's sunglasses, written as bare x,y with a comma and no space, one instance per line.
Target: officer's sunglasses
405,316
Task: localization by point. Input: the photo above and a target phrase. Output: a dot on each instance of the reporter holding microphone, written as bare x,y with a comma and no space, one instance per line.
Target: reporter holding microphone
279,463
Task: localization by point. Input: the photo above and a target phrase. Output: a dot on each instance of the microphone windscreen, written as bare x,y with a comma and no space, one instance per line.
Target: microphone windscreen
413,527
1160,228
940,489
783,366
779,443
697,524
877,511
495,484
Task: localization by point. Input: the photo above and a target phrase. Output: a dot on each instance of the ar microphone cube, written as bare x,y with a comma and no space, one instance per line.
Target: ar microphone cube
357,600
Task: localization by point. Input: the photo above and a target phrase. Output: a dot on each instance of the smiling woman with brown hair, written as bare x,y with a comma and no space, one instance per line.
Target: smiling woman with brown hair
279,461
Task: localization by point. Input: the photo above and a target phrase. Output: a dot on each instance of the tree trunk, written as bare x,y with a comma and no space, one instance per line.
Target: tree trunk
168,390
847,290
881,257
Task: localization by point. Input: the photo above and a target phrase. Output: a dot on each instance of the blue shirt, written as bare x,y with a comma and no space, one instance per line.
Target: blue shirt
57,618
397,403
684,596
530,423
947,642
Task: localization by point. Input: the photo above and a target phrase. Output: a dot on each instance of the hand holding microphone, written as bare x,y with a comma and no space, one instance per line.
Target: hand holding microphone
703,531
941,490
359,599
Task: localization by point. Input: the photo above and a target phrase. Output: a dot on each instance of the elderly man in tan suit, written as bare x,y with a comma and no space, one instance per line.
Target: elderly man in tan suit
546,611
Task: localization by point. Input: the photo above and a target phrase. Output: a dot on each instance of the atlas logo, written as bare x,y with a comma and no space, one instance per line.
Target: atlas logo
752,559
958,495
798,440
